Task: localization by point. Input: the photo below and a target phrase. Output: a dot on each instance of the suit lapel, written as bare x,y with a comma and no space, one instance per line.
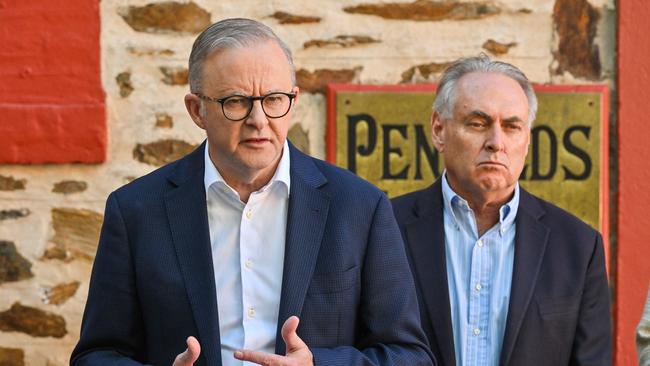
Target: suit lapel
188,221
530,243
426,239
308,208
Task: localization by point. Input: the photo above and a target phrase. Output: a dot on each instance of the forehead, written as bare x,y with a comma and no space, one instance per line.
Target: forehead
493,93
259,64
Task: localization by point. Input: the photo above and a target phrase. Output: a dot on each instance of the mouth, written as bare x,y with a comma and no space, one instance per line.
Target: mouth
256,140
491,164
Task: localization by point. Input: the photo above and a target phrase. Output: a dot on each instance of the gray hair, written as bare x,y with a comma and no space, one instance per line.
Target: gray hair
231,33
446,92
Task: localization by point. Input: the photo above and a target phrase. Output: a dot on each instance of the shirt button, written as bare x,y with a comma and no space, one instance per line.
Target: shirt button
249,214
479,243
503,231
477,331
251,312
248,263
478,287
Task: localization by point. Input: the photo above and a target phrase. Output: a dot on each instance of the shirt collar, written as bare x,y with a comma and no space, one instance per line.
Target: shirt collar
282,172
451,199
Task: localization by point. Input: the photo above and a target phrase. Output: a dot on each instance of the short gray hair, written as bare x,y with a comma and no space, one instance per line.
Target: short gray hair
231,33
446,92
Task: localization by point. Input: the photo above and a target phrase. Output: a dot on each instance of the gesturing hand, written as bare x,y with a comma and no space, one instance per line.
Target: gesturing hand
190,355
298,354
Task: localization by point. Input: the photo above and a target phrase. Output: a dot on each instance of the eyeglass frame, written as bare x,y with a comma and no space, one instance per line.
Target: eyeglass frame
250,98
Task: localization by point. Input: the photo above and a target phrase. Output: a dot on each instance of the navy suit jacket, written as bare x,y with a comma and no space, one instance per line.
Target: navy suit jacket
559,301
345,274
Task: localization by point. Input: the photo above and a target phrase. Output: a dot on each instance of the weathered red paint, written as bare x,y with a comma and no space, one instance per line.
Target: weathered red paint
633,255
51,99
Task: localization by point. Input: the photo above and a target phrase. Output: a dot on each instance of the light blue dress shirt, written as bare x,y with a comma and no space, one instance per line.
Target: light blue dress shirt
479,276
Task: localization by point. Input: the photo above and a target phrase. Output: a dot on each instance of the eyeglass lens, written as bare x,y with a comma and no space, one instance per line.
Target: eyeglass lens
274,105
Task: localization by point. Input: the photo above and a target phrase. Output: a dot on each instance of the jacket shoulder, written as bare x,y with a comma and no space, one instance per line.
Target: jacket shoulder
558,218
341,180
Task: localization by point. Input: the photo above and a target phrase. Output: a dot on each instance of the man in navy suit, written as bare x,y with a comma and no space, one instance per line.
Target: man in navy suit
503,277
246,250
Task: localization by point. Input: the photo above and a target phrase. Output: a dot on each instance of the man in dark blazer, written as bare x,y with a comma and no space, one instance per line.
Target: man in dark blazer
161,278
503,277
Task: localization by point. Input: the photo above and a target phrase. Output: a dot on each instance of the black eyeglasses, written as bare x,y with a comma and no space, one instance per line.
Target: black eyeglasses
239,107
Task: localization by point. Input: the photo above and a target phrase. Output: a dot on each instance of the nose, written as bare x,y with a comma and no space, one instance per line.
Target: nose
257,118
495,139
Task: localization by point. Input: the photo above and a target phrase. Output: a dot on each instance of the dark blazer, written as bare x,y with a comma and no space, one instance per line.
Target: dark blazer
345,275
559,302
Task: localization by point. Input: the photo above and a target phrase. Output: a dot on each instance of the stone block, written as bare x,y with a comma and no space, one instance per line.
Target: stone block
424,73
12,357
174,75
286,18
343,41
69,186
32,321
167,17
576,26
123,80
60,293
13,214
13,266
146,51
162,152
11,184
316,81
426,10
164,120
497,48
76,231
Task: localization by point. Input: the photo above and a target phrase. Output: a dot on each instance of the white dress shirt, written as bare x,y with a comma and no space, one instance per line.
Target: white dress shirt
248,241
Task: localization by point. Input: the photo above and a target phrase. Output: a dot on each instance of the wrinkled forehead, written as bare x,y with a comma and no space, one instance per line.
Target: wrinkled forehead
492,93
247,66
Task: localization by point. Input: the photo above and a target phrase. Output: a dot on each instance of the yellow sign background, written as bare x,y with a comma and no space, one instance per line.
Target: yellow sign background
381,136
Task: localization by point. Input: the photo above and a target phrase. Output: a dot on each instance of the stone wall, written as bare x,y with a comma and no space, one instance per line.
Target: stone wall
50,215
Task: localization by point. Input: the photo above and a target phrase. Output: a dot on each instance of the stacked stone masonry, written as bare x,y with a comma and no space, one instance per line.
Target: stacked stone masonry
50,215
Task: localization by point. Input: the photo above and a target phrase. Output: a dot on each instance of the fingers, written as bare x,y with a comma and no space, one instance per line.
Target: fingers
260,358
291,339
190,355
297,351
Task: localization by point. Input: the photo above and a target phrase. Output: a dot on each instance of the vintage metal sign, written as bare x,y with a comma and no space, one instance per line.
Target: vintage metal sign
383,134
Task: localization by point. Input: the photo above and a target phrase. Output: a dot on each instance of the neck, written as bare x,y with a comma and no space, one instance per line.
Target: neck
246,181
485,205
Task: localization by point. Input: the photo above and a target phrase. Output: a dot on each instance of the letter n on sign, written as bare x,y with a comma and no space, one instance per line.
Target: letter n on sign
51,99
383,134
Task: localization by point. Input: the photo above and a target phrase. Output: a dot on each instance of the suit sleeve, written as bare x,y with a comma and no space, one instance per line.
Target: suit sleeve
389,332
111,329
593,339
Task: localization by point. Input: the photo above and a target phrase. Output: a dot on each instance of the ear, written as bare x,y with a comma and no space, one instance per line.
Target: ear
437,132
295,90
193,106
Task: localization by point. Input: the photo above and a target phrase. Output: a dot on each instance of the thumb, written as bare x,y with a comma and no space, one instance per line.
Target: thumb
190,355
290,336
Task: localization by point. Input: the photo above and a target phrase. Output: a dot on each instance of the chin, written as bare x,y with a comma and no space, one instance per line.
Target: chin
258,162
493,183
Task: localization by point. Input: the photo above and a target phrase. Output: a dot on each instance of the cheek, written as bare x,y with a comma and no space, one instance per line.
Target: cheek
223,135
280,129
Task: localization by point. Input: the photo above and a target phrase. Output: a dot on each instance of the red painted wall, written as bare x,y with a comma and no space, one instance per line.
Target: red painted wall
51,98
633,255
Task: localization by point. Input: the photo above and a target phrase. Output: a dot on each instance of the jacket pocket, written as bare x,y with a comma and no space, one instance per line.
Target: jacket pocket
328,283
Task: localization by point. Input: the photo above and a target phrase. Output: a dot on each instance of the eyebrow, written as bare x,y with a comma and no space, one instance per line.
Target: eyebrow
489,119
480,114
